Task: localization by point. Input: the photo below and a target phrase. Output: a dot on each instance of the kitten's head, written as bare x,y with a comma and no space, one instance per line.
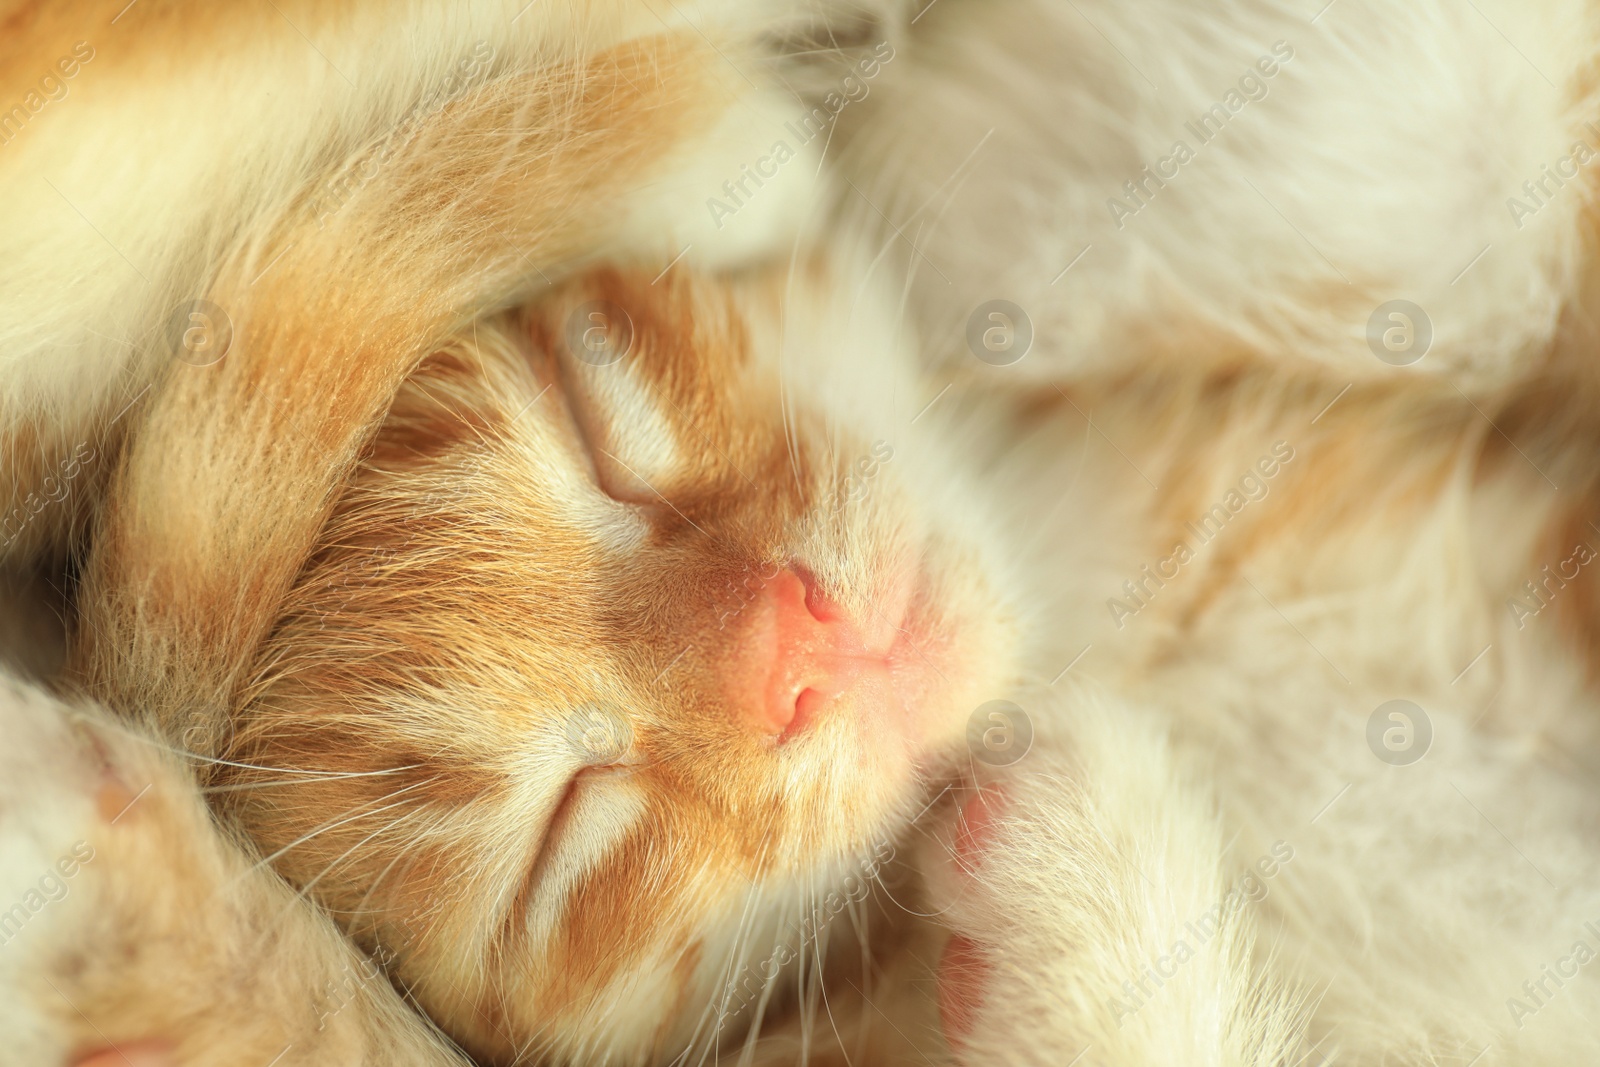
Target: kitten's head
648,619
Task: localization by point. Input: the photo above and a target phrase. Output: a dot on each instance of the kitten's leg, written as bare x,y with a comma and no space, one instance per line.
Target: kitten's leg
234,466
129,927
1094,916
117,202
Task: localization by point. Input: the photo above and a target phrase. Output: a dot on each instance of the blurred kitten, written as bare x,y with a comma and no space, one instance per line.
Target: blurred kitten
1386,664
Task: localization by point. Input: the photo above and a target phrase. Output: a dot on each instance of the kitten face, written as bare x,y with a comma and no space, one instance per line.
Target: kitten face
623,647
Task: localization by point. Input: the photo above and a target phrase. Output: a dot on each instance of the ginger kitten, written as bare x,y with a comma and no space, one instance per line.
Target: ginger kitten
580,638
732,553
611,675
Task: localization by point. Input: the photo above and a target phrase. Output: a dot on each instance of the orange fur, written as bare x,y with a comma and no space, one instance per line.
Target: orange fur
482,449
235,464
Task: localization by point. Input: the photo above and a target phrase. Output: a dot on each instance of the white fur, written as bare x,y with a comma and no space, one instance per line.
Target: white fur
1420,897
1105,859
1382,159
108,895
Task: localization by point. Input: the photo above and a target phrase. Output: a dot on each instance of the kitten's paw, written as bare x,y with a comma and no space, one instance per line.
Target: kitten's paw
1068,885
132,931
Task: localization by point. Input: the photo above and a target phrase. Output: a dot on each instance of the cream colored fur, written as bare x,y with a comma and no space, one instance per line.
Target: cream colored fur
1377,166
1230,711
1230,714
102,246
116,884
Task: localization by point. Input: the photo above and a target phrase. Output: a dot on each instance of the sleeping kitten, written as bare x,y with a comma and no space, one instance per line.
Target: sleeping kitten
731,608
776,663
617,674
734,502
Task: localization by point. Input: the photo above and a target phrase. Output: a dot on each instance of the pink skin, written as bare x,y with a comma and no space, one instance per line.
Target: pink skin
113,799
964,968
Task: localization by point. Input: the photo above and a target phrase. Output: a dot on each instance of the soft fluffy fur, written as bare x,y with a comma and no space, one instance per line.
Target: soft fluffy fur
131,917
368,563
1381,563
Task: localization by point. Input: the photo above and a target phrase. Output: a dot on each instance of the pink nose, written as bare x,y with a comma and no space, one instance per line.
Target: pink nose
799,654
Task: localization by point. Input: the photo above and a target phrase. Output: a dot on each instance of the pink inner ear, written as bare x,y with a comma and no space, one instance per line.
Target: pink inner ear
137,1054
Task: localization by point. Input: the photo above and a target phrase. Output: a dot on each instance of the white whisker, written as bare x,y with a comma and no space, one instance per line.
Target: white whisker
343,821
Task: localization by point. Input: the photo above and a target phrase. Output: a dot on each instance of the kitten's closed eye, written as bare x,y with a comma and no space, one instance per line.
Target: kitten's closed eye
623,434
562,820
638,671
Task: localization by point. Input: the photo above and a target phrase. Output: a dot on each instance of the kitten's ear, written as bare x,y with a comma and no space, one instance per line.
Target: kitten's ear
233,466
